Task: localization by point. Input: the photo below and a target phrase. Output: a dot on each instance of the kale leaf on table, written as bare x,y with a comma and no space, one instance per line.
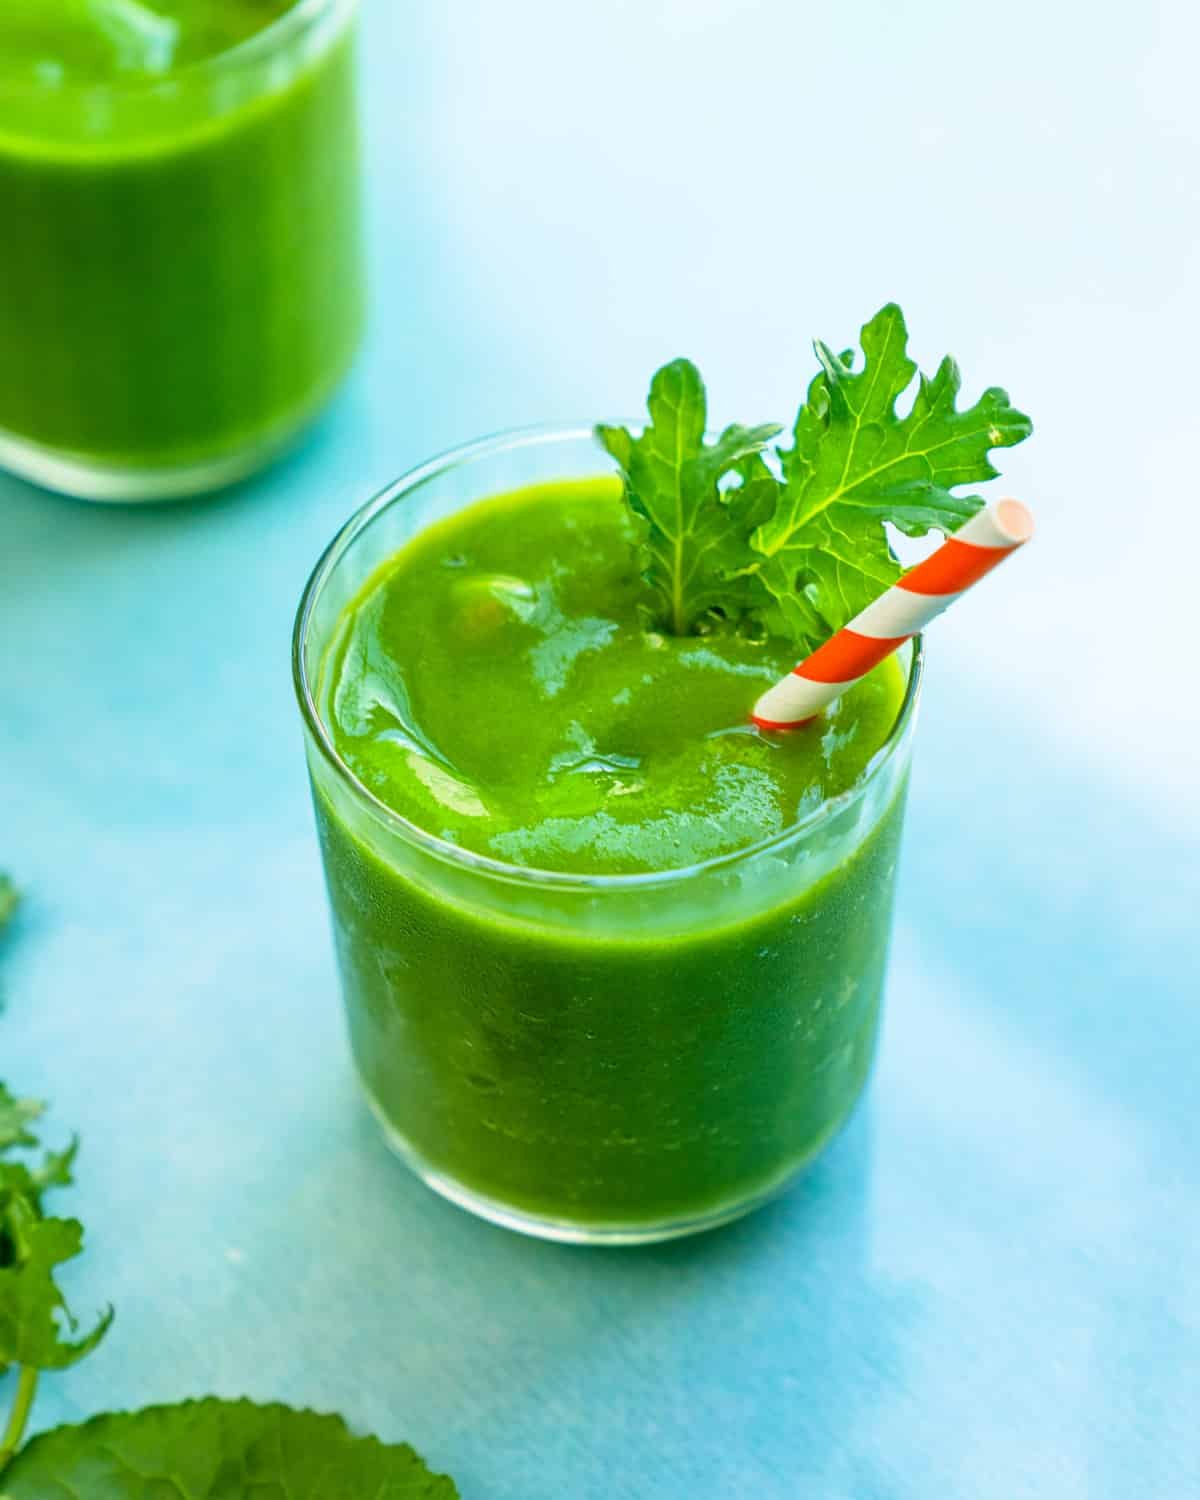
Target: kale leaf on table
207,1450
218,1450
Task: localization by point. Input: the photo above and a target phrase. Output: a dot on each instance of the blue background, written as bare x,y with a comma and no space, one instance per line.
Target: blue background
990,1286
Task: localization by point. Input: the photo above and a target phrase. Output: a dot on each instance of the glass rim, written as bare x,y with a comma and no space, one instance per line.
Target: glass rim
543,434
301,16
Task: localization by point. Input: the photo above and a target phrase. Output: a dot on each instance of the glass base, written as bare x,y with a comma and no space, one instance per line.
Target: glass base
88,479
573,1232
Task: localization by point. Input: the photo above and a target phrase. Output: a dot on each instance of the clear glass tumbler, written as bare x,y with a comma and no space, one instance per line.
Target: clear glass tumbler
180,259
587,1058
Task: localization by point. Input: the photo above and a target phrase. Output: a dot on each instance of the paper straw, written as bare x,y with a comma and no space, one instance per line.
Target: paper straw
895,617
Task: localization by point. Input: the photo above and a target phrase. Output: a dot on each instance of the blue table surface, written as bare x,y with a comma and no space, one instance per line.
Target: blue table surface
990,1286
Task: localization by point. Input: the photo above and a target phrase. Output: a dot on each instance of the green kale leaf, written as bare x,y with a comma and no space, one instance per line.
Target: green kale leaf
219,1450
16,1116
697,532
798,537
35,1322
855,464
23,1183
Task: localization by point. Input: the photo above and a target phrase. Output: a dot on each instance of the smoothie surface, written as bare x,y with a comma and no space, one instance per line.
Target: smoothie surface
496,684
100,41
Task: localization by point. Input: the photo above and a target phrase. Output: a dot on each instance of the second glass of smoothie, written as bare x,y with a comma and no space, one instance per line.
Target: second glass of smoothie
612,960
181,245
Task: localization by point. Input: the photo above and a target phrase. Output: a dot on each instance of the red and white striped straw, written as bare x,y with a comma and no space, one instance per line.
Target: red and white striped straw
895,617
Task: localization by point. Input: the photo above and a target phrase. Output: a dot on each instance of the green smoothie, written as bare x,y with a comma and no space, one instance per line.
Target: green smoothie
181,245
625,979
